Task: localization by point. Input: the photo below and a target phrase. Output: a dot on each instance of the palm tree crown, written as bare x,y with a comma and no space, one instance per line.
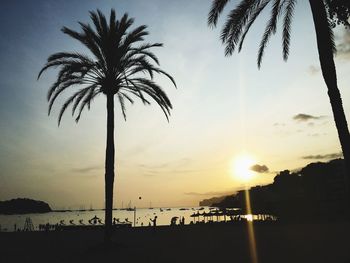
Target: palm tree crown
240,20
116,67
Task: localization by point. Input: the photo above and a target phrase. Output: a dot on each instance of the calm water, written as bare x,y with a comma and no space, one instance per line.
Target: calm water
143,216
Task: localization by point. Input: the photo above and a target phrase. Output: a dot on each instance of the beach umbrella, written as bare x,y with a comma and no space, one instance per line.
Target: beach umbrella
235,212
199,215
217,214
94,220
115,220
205,215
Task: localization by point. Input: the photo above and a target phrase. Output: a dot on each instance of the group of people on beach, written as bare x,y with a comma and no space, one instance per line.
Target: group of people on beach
174,220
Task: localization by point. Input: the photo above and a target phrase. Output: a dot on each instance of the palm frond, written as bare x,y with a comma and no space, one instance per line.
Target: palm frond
250,23
216,8
331,36
288,17
236,21
79,98
270,29
60,89
87,102
122,105
89,40
71,99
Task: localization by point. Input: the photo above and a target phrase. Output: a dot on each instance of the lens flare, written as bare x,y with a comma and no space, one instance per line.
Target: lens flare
251,234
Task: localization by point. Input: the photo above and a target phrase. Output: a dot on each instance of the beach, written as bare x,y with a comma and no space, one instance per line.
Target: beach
275,242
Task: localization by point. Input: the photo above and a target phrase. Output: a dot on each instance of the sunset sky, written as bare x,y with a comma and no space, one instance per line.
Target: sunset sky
224,108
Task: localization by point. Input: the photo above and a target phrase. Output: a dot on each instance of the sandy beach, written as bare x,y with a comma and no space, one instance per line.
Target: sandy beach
322,242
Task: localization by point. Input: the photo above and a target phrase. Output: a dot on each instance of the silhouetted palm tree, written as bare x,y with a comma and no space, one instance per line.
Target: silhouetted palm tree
241,18
118,69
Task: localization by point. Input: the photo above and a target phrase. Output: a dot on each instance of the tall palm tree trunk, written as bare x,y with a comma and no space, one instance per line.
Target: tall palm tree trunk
109,168
325,52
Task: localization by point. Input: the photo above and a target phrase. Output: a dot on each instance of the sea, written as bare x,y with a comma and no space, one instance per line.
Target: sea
139,217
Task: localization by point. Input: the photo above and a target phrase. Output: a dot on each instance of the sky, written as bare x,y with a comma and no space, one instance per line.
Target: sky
224,108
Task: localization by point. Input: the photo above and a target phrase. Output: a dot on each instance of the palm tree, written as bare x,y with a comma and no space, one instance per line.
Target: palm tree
118,69
241,18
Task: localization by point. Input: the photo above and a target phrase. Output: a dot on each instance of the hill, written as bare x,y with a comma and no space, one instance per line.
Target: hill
317,190
23,206
211,201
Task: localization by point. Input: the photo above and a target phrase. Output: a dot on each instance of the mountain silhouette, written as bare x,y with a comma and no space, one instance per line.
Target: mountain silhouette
318,190
23,206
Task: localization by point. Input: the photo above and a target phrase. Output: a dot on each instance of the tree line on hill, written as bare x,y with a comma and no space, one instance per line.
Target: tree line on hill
318,190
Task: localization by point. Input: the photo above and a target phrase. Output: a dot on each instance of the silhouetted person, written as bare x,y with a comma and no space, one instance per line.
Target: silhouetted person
183,221
154,221
173,221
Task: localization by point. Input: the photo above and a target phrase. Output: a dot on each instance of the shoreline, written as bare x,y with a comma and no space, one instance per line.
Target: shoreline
292,242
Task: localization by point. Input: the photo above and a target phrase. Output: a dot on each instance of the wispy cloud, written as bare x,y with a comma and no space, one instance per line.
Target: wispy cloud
316,134
313,70
87,169
259,168
210,193
179,166
323,156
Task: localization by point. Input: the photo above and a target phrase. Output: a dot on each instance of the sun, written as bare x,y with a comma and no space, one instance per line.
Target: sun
241,168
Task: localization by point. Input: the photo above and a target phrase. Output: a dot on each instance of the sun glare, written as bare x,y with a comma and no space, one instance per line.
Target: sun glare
241,168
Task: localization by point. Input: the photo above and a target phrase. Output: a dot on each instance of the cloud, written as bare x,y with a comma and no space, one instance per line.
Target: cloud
278,124
259,168
180,166
86,169
150,173
303,117
313,69
343,45
316,134
323,156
